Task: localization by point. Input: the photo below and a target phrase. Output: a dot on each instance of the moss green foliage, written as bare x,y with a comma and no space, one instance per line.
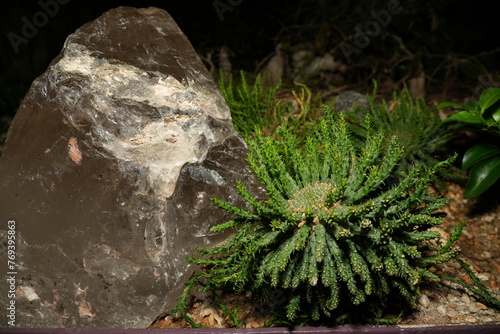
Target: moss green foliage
255,106
250,104
418,129
334,234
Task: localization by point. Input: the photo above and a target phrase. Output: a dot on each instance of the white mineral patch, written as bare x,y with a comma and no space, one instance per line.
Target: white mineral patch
128,82
27,292
162,145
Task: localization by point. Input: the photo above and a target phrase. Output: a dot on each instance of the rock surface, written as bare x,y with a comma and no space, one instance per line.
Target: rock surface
108,172
351,100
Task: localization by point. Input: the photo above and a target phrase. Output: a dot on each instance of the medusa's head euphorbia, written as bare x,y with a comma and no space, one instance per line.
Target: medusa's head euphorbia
338,229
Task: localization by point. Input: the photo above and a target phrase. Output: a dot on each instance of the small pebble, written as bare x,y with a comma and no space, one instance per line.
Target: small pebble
441,310
423,300
486,255
458,319
488,219
483,277
465,299
470,318
453,314
473,308
481,306
467,234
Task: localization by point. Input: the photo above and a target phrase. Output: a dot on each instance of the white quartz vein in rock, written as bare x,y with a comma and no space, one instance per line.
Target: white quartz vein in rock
162,145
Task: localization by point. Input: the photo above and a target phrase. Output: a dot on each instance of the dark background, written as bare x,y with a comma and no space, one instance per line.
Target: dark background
455,43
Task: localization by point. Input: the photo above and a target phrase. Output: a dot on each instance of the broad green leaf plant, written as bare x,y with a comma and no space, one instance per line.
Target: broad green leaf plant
483,160
342,237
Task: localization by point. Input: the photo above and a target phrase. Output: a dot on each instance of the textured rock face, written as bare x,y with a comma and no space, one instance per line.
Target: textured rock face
351,100
108,172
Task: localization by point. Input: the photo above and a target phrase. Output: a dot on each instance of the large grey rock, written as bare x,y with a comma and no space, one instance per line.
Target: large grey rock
108,172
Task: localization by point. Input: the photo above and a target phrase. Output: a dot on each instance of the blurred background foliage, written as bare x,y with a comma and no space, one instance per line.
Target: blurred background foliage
452,44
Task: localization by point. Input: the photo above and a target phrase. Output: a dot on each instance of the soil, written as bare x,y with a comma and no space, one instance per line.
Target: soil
444,303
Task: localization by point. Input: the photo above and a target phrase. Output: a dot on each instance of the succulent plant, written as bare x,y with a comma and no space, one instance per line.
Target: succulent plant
333,233
418,128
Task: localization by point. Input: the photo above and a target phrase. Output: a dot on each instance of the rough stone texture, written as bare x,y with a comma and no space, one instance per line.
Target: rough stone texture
351,100
108,172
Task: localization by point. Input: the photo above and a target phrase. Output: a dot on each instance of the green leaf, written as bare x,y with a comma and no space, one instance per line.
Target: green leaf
449,104
482,176
472,106
478,153
489,121
496,113
464,117
489,97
